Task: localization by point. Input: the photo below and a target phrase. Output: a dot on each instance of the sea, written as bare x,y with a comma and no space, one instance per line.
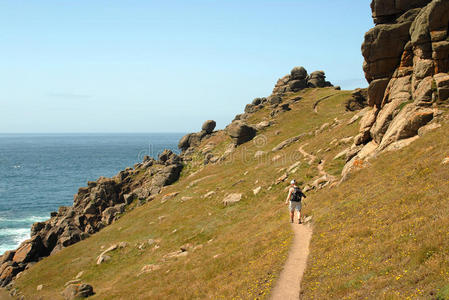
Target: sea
40,172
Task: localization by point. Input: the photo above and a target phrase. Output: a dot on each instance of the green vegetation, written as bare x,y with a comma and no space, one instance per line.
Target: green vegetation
384,233
381,234
239,249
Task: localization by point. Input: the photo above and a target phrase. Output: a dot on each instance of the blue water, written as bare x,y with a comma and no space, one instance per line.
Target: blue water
39,173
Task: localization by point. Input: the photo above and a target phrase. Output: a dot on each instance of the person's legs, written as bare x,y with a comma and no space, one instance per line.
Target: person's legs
292,215
299,216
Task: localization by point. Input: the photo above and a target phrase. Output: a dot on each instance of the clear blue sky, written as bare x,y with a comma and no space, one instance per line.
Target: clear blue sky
164,66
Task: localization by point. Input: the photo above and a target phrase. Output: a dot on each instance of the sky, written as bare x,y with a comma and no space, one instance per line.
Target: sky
69,66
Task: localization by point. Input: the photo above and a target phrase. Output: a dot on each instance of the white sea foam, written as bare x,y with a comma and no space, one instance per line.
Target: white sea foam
14,237
6,247
29,219
14,232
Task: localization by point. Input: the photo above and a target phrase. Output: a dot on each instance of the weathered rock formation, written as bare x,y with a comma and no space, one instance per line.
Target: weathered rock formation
298,79
192,140
241,132
94,207
358,100
406,65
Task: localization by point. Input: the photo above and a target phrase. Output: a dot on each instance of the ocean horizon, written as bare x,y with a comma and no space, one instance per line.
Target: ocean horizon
42,171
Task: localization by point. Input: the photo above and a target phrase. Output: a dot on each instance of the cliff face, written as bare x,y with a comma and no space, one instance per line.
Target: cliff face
94,207
406,65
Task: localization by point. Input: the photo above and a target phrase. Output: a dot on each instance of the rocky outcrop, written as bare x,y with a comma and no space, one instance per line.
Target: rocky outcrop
358,100
240,132
298,79
406,65
77,291
208,126
192,140
94,207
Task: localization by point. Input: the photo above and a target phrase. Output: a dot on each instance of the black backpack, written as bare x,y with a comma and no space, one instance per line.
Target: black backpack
296,195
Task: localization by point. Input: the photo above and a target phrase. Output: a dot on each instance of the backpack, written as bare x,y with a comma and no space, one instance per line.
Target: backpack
296,195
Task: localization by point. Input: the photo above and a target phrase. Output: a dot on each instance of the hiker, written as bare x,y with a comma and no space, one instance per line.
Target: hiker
294,195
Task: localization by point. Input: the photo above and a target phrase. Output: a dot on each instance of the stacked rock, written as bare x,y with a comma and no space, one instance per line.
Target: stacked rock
298,79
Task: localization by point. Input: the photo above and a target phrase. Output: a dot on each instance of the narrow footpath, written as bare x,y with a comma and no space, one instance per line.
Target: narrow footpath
289,284
4,295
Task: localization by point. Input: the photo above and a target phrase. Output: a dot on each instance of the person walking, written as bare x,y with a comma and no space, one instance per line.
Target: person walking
294,196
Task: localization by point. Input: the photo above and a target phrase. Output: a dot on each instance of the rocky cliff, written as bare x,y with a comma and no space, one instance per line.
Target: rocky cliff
94,207
406,65
104,200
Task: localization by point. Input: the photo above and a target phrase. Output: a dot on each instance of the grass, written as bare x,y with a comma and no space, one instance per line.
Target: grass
381,234
242,247
384,234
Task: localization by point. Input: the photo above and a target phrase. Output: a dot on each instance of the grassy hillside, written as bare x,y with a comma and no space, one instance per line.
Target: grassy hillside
235,251
384,234
387,221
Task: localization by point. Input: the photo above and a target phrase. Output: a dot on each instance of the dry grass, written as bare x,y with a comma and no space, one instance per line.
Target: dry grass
384,234
243,246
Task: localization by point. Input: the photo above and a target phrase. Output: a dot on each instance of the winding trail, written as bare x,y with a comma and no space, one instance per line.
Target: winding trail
288,286
324,175
315,105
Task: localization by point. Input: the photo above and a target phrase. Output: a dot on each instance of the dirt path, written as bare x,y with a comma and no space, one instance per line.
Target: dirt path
315,105
325,178
4,295
289,283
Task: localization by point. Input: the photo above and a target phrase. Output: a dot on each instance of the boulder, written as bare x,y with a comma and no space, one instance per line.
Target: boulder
258,101
240,132
317,79
232,198
297,85
109,214
7,256
274,100
298,73
209,126
406,124
184,142
75,291
358,100
262,125
280,109
30,250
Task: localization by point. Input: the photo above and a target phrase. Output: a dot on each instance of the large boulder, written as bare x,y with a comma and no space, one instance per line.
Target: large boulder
241,132
184,142
318,79
209,126
29,250
298,73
